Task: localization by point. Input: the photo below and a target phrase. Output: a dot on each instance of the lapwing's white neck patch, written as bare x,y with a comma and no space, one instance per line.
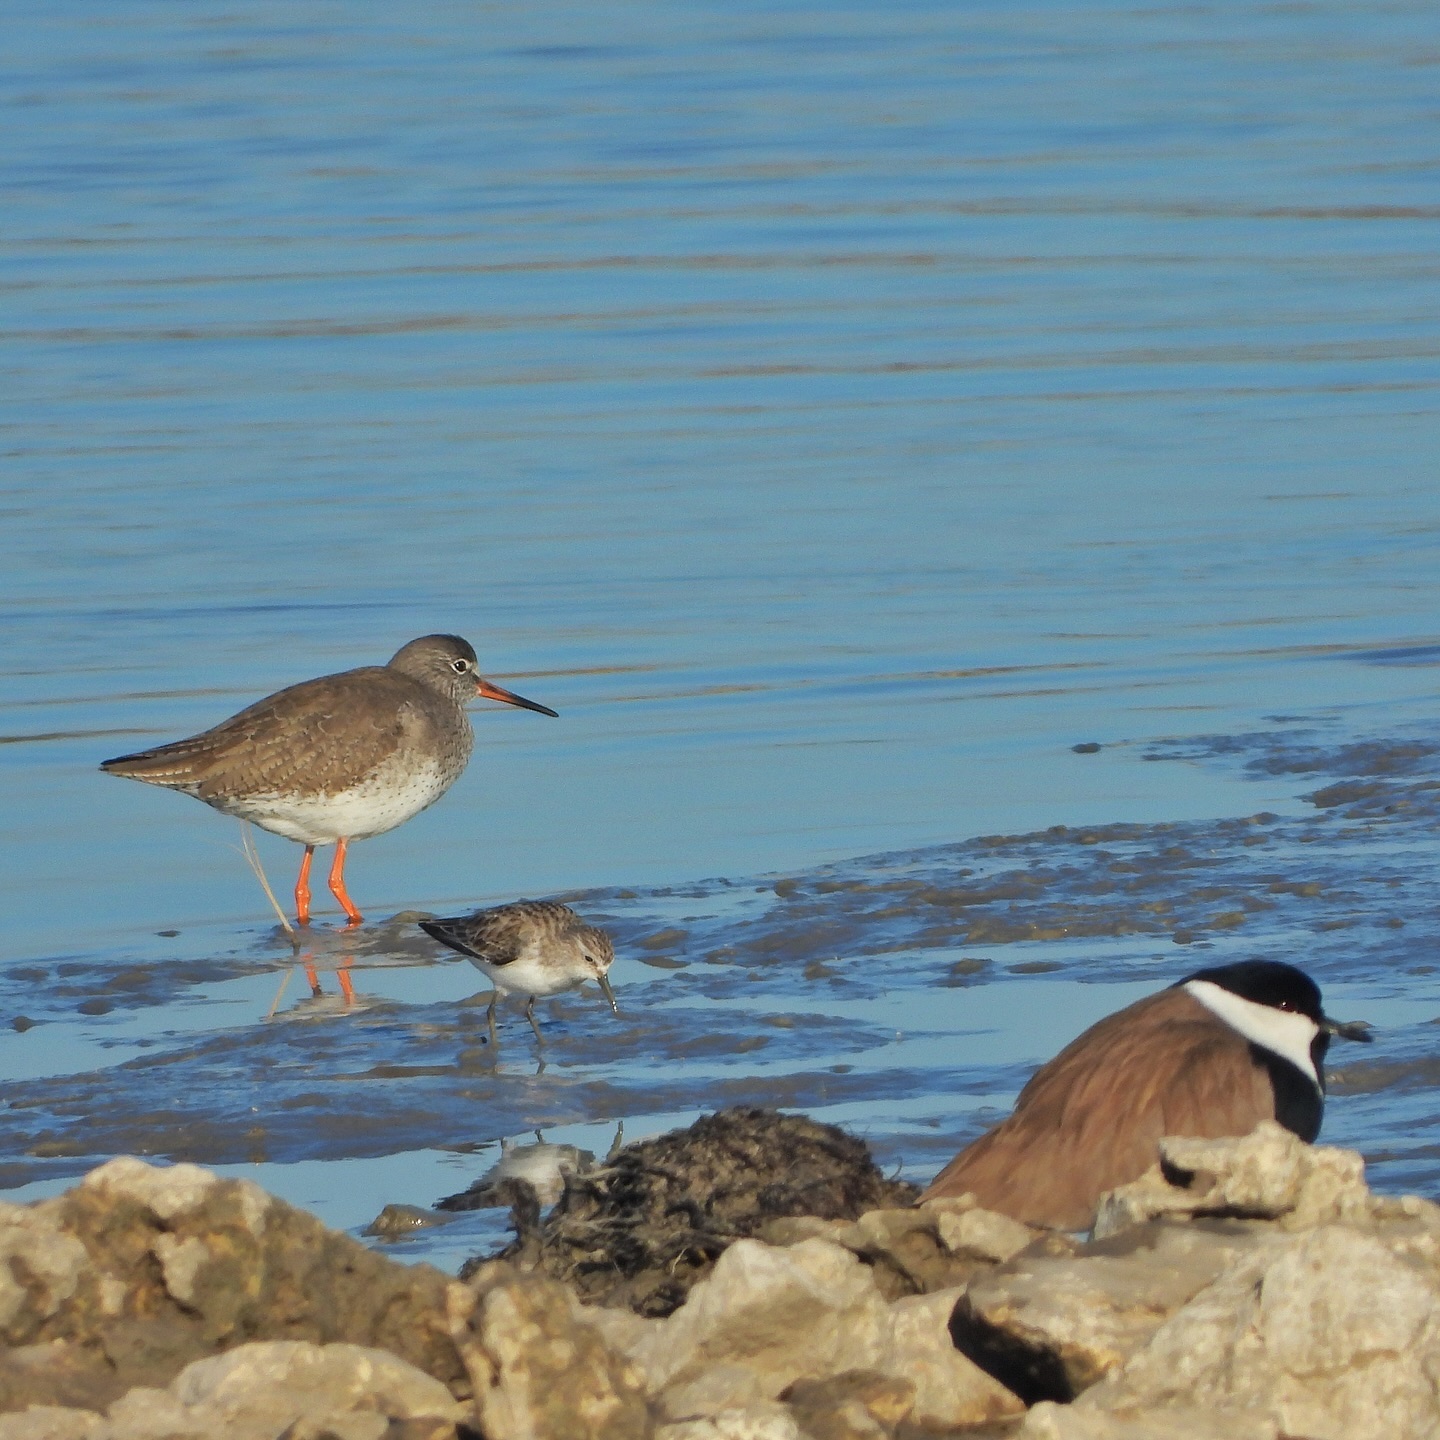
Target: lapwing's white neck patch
1283,1032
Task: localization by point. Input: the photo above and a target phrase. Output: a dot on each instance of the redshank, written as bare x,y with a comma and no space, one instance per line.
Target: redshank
529,947
336,759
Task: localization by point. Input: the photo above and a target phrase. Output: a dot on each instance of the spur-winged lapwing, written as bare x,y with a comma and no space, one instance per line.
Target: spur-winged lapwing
1213,1055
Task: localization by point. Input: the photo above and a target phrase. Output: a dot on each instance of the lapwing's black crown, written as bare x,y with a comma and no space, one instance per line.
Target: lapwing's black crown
1267,982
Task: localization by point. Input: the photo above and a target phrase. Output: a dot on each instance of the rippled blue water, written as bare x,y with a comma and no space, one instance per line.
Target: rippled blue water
835,412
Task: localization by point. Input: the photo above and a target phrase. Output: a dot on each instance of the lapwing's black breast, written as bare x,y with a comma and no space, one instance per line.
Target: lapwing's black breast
1299,1106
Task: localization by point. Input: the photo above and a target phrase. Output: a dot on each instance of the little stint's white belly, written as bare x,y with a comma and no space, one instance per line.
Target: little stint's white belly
531,975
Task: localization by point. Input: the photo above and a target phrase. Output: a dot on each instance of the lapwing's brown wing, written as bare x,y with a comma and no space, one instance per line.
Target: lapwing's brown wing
1091,1118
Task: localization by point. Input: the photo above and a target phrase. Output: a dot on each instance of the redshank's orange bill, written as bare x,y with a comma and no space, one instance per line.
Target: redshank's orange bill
339,758
491,691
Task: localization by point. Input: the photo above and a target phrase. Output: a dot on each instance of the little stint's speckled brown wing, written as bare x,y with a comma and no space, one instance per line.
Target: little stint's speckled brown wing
530,948
499,936
1092,1118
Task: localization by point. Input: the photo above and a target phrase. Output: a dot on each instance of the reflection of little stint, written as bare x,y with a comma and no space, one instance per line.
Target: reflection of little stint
530,947
541,1165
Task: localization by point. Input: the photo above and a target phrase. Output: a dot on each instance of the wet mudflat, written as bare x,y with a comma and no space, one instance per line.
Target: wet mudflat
905,995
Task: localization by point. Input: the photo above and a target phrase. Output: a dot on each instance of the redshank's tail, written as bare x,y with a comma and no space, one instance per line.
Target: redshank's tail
176,765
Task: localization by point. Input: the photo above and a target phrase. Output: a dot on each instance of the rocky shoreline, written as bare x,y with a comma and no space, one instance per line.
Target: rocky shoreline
1249,1289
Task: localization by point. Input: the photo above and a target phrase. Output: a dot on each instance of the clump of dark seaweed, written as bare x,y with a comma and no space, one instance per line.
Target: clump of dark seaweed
646,1226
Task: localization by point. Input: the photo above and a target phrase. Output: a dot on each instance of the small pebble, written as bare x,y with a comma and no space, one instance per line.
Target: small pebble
396,1220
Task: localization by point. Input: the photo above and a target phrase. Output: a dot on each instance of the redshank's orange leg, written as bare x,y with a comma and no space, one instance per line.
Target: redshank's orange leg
347,985
337,883
312,977
302,888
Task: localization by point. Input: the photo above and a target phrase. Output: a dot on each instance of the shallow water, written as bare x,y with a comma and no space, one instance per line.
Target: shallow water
836,414
906,995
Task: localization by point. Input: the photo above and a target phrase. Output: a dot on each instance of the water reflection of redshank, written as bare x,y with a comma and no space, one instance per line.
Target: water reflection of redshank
530,948
336,759
342,974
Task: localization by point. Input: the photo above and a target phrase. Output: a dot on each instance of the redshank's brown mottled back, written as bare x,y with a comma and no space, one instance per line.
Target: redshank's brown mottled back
336,759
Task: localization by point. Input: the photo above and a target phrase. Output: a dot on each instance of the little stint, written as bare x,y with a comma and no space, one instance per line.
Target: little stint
529,947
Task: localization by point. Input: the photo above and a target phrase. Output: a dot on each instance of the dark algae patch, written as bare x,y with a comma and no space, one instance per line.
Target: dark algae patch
644,1228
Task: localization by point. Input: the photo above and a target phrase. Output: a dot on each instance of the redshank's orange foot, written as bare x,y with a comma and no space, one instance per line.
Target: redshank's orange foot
336,759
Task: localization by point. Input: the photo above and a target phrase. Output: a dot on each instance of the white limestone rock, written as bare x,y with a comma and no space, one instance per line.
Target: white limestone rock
51,1422
763,1318
767,1317
984,1234
173,1191
1331,1336
762,1420
40,1268
258,1392
907,1246
1269,1174
1062,1321
950,1390
140,1269
538,1371
1048,1421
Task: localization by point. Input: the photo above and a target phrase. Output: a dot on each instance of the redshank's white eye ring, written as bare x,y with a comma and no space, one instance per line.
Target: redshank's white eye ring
459,666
